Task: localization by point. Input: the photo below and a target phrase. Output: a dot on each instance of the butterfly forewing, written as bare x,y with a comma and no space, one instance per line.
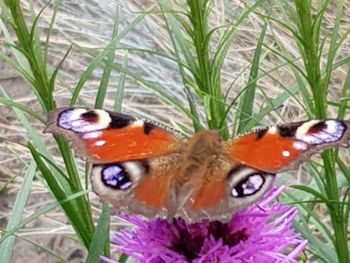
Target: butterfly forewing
105,137
284,147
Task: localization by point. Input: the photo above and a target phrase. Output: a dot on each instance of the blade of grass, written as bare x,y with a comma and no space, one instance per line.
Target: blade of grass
273,104
19,57
311,191
79,211
102,91
101,236
310,108
177,39
54,74
49,31
6,248
19,106
227,37
44,249
40,212
323,251
334,45
32,133
161,93
344,103
18,68
72,209
248,97
121,85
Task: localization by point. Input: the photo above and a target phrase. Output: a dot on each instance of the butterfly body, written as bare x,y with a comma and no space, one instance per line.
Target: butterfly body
142,168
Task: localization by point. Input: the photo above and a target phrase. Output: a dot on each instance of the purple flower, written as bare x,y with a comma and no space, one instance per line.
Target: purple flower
261,233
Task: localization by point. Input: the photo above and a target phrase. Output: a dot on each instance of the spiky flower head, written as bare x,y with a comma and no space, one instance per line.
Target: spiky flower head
261,233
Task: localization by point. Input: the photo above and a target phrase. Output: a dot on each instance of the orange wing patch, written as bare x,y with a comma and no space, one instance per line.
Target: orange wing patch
129,143
209,194
269,153
152,191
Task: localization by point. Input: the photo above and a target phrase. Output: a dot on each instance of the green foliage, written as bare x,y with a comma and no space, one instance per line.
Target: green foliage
312,48
193,44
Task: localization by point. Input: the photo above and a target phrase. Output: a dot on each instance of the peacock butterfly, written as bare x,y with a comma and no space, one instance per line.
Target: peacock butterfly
143,168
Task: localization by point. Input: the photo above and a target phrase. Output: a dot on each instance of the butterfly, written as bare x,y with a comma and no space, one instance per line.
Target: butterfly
143,168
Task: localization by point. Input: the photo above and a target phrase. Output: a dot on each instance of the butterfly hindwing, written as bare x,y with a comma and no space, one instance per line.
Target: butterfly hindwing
284,147
138,187
230,191
106,137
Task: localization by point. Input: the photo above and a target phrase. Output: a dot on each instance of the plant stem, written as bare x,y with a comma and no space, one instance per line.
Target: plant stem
309,45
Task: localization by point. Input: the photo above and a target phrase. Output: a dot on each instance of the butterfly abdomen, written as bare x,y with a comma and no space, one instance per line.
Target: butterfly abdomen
199,155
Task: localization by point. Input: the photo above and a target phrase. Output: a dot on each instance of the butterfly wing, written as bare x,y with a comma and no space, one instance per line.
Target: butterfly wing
284,147
226,189
107,137
139,187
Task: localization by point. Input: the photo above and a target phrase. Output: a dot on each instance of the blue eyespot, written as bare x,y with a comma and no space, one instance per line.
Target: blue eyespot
116,177
249,185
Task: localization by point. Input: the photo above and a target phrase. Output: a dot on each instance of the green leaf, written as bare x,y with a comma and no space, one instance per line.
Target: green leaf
54,74
6,248
38,213
102,90
120,90
311,191
23,108
101,236
248,97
